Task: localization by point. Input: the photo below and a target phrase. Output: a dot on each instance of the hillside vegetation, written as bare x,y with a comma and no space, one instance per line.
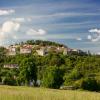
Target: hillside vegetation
55,70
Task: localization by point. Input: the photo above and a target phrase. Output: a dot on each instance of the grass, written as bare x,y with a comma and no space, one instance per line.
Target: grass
29,93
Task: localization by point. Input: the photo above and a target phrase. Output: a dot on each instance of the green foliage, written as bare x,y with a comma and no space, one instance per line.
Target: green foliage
52,77
9,81
53,70
89,84
28,70
73,76
43,43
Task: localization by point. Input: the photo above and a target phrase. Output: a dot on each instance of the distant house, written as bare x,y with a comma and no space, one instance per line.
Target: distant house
25,50
65,52
67,88
28,46
11,51
75,50
59,49
52,49
11,66
42,52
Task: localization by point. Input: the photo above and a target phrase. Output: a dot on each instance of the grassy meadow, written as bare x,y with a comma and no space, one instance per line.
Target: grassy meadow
29,93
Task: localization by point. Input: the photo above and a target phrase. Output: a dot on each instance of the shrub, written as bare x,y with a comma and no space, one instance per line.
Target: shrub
53,77
98,83
89,84
9,81
72,77
77,84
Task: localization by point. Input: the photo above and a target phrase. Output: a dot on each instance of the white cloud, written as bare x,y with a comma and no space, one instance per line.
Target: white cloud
96,39
89,37
98,53
10,26
19,19
36,32
8,29
15,37
29,19
22,19
2,35
79,39
95,35
7,12
94,30
64,14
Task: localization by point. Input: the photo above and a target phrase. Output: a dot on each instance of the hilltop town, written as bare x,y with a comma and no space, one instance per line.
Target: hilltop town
41,48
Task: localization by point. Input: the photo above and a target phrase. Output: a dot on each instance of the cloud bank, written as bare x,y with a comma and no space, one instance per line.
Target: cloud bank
6,12
8,29
36,32
95,35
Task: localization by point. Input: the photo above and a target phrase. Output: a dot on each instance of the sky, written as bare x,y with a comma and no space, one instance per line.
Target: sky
75,23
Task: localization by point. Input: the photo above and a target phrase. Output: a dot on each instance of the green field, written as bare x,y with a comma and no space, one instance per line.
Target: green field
28,93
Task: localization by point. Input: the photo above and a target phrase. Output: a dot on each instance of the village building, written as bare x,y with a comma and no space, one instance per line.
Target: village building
42,52
59,49
51,49
25,50
11,66
65,52
11,51
75,50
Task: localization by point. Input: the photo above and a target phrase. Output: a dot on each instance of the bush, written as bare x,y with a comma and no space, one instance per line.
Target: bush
77,84
89,84
9,81
98,82
72,77
53,77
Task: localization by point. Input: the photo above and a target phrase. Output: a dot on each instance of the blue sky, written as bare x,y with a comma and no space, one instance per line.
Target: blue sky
75,23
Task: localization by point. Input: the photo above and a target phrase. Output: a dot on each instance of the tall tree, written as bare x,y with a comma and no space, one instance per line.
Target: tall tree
28,70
